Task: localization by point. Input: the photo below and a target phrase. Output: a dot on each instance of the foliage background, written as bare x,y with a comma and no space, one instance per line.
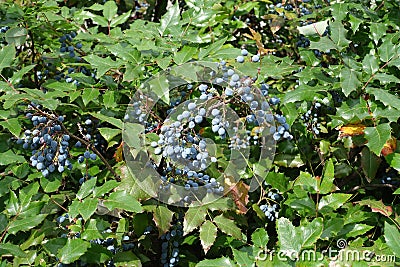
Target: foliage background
334,184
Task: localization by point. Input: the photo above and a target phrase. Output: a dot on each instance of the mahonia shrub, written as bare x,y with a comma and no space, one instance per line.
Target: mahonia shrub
199,133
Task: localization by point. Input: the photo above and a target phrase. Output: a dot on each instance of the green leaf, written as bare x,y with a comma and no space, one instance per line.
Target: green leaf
12,125
314,28
260,238
87,207
377,137
220,262
120,19
288,238
14,250
208,234
160,86
72,250
102,64
105,188
97,255
86,188
9,157
311,232
90,94
109,133
326,185
110,10
185,54
7,54
332,227
370,64
16,36
323,44
212,48
386,50
338,35
228,226
385,97
109,99
169,19
162,218
394,160
301,93
25,224
242,258
369,163
349,80
194,217
111,120
332,202
122,200
376,206
92,230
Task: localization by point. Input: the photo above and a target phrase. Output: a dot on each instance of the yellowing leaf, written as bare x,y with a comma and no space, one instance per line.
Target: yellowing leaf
351,130
240,194
118,155
389,147
257,37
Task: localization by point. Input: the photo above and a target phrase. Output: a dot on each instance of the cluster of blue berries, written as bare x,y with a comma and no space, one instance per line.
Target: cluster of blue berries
271,207
244,53
170,243
66,44
49,145
310,118
4,29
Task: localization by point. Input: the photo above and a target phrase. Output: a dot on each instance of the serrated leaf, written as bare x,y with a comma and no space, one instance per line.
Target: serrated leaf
25,223
386,50
162,218
301,93
228,226
369,163
377,206
185,54
394,160
105,188
160,86
92,231
338,35
16,36
7,54
194,217
86,188
370,64
72,250
288,237
12,125
109,99
326,184
385,97
332,202
11,249
87,207
120,19
110,10
349,80
90,94
122,200
242,258
208,234
169,19
9,157
323,44
392,238
102,64
116,122
311,232
109,133
212,48
314,28
260,238
377,137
